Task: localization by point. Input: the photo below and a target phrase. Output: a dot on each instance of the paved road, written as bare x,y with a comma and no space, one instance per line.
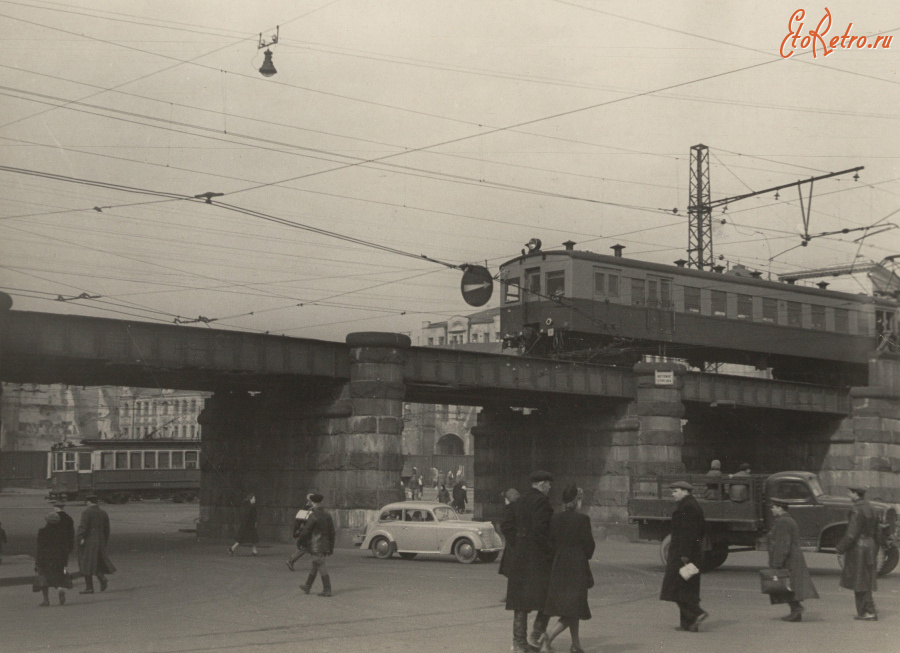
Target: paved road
176,593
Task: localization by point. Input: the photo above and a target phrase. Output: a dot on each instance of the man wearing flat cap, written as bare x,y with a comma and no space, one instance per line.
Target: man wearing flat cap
859,547
531,562
319,534
783,542
686,547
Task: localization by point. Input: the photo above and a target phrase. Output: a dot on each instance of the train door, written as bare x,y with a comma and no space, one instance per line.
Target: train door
660,308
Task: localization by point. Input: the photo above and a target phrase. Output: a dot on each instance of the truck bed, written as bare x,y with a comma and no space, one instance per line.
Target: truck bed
650,499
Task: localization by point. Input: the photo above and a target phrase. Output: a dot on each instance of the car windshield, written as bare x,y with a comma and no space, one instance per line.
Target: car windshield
815,487
445,513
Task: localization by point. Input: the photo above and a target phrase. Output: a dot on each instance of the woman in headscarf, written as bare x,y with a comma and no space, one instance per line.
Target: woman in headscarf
50,560
247,533
571,576
508,528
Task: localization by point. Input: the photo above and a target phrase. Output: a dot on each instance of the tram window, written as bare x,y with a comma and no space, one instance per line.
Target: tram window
69,462
57,462
136,462
719,302
190,459
511,290
121,460
163,460
794,314
842,320
84,461
744,307
691,299
769,310
637,292
818,317
149,460
556,283
177,460
106,460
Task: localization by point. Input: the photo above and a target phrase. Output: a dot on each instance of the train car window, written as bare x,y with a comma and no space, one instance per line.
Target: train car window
769,310
637,292
818,317
121,460
744,307
842,320
613,285
691,299
177,460
163,460
136,460
511,290
556,283
106,460
84,460
719,302
599,282
533,282
190,459
149,460
794,314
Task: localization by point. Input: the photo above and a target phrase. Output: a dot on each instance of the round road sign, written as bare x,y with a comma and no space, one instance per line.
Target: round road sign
477,285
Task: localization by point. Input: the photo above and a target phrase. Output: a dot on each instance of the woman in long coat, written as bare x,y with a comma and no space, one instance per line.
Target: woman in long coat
92,536
50,560
247,533
571,575
508,528
859,547
785,553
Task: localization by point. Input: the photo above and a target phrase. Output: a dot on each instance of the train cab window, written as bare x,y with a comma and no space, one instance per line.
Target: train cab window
106,460
84,461
177,460
637,292
149,460
884,322
795,314
817,314
691,299
511,290
719,302
613,285
121,460
842,320
163,460
533,283
769,310
556,283
744,307
136,459
190,459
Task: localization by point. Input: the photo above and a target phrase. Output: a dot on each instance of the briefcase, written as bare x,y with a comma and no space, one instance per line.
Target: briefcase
775,581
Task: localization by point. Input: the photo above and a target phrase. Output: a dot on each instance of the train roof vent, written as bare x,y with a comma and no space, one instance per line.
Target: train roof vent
738,270
681,262
569,245
618,250
823,285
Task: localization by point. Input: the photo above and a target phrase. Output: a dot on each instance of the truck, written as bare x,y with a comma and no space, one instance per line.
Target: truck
733,526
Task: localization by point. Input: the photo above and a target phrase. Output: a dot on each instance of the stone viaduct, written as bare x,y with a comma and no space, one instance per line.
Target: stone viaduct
291,416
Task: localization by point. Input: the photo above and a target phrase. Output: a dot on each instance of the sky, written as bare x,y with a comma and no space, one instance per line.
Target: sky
401,138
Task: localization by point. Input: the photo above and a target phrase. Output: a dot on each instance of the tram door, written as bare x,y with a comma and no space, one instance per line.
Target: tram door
660,308
85,477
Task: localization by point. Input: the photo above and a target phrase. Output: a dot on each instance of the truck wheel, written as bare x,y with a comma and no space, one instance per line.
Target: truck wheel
715,558
664,549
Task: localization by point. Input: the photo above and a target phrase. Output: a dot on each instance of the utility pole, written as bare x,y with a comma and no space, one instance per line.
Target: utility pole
700,245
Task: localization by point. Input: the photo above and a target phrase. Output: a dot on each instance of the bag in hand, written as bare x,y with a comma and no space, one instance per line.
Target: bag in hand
775,581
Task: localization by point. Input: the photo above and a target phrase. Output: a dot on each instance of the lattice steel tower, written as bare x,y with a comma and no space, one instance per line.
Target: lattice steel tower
700,244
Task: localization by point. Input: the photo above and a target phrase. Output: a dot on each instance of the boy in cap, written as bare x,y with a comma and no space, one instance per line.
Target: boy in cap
686,547
319,532
859,547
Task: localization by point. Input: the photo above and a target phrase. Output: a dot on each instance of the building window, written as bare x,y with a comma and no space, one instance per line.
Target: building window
842,320
691,300
511,290
770,310
818,317
193,405
719,302
637,292
556,283
430,342
441,340
192,431
744,307
794,314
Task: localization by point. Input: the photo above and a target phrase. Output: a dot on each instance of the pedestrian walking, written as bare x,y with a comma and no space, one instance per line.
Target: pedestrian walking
459,497
247,533
531,561
785,553
50,561
570,577
435,476
67,526
859,546
319,532
681,583
450,478
300,520
443,495
419,487
92,536
508,529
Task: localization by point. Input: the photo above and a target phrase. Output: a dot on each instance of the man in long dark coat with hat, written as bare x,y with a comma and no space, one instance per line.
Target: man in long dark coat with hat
531,563
686,547
785,553
859,547
92,536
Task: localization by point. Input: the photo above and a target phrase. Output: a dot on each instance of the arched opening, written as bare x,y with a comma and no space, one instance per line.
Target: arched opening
450,445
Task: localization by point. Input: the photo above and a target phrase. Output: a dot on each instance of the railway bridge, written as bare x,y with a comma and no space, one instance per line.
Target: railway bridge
289,416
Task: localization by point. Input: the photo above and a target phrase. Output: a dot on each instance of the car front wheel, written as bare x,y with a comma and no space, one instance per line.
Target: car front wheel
465,551
382,548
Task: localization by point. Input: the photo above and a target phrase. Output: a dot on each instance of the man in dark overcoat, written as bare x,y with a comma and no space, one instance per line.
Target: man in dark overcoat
859,547
92,536
531,562
688,526
50,560
67,526
319,533
785,553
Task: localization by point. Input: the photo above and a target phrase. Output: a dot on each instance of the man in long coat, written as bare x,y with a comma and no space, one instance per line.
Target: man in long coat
319,535
531,562
860,549
92,536
785,553
688,526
